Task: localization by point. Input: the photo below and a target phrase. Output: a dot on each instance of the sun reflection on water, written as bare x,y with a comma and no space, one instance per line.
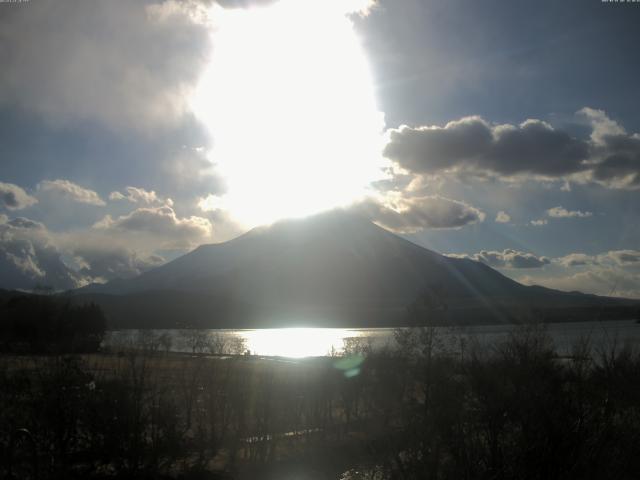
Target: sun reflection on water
297,342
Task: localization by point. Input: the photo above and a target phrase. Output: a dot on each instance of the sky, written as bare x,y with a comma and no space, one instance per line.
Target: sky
503,131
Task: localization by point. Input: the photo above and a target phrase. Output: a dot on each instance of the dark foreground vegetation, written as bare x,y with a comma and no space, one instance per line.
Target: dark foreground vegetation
427,411
49,324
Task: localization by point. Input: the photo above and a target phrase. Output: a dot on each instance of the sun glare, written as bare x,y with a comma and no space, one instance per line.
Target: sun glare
296,342
289,100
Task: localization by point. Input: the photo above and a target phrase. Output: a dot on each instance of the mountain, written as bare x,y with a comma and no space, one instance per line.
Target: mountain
332,269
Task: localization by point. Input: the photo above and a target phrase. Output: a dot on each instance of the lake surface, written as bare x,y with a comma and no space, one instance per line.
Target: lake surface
306,342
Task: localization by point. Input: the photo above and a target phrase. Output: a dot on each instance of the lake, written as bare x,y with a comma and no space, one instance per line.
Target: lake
309,342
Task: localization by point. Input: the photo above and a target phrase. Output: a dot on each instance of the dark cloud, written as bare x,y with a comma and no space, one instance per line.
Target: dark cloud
615,154
507,259
409,215
13,197
25,223
625,257
472,148
533,147
619,161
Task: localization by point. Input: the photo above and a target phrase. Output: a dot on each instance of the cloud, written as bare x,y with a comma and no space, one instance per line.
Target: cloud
615,154
615,272
577,260
602,125
506,259
244,3
612,258
471,147
70,191
340,6
160,225
560,212
13,197
539,222
115,196
101,260
472,144
212,203
599,280
29,256
139,195
409,215
503,217
617,162
625,257
123,64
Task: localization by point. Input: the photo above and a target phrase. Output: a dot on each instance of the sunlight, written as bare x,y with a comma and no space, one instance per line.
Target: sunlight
289,100
296,342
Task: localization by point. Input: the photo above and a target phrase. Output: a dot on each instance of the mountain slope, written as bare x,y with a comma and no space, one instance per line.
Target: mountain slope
331,269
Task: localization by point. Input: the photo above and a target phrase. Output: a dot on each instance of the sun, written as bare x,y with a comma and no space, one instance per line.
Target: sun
289,100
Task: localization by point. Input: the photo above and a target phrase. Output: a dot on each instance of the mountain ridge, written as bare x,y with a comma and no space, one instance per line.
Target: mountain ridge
330,269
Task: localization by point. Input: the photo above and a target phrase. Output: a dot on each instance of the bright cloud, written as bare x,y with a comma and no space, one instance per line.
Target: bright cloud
70,191
161,225
561,212
615,273
412,214
503,217
507,259
139,195
539,222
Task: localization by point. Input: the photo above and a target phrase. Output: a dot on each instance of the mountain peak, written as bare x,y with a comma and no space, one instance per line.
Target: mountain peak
334,268
331,219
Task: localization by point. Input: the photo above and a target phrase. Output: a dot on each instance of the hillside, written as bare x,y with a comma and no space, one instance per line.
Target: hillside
331,269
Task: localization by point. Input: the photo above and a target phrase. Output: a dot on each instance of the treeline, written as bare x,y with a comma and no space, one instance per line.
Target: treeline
432,410
49,324
514,410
